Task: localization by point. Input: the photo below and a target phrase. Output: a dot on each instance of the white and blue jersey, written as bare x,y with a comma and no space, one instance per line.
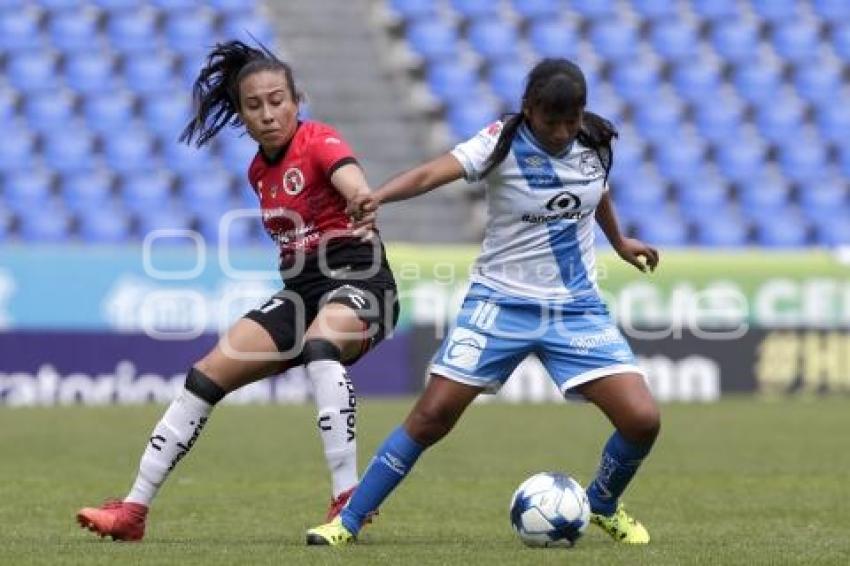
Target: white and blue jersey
534,284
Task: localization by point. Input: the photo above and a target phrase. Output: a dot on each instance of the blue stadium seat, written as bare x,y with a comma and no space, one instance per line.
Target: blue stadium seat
476,10
65,6
614,40
204,190
467,119
721,231
450,80
236,151
233,7
190,64
493,39
664,229
833,10
87,190
8,104
714,10
44,225
131,31
70,154
833,232
697,79
150,73
763,195
828,196
179,5
702,194
129,151
796,41
111,111
116,5
783,231
411,10
433,39
595,9
635,82
657,122
680,159
146,191
818,82
17,150
776,10
247,25
834,122
90,73
186,32
104,226
551,38
654,9
167,114
165,219
629,155
537,9
844,159
19,30
181,158
49,111
674,40
241,231
507,79
841,40
757,82
803,160
735,41
741,161
27,190
604,101
32,71
639,194
73,31
780,120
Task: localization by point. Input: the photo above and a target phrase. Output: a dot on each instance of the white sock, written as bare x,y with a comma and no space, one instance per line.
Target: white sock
337,420
171,439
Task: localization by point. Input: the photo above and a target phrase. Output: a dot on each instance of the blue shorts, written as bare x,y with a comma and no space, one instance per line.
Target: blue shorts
494,332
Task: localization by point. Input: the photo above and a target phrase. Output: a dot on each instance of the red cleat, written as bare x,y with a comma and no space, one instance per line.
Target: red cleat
338,503
115,518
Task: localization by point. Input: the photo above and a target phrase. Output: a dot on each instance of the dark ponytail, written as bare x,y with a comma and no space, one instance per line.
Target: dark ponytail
216,90
557,86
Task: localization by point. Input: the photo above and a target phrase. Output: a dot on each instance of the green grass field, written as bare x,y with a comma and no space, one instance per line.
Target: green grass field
738,482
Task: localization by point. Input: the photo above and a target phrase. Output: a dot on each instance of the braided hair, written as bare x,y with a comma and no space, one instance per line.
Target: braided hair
216,90
557,86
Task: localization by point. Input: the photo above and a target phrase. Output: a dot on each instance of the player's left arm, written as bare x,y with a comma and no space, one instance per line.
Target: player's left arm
632,250
351,183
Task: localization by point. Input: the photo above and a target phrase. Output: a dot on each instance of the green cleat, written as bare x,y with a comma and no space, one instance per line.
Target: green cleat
330,534
622,527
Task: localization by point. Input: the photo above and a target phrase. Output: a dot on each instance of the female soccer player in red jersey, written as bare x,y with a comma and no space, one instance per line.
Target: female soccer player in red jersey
340,295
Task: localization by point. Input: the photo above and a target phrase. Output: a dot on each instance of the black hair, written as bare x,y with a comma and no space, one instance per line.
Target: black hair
557,86
216,90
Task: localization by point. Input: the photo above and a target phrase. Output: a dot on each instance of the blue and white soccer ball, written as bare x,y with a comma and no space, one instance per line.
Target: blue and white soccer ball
550,509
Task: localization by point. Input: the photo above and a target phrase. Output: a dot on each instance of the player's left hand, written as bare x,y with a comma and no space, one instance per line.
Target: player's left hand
637,253
363,211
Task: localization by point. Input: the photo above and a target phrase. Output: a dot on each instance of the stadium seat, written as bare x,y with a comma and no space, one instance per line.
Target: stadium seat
674,41
235,7
449,80
721,231
803,159
179,5
818,82
90,73
678,159
412,10
32,71
245,26
27,190
659,121
181,159
763,195
70,154
49,111
664,230
86,190
19,30
614,40
63,6
758,81
8,104
715,10
537,9
17,150
629,155
467,119
149,73
780,120
833,232
236,151
740,161
551,38
111,111
783,231
433,39
73,31
640,194
167,114
206,190
146,191
696,80
595,9
776,11
824,195
169,218
834,122
240,231
495,40
104,226
116,5
841,40
131,31
129,151
188,31
796,41
735,41
635,82
833,10
44,225
476,10
507,80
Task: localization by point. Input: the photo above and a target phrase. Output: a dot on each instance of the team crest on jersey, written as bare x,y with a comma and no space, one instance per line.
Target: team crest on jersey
588,163
535,161
293,181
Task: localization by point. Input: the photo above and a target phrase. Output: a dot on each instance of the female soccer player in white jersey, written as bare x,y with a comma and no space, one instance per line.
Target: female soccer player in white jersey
533,291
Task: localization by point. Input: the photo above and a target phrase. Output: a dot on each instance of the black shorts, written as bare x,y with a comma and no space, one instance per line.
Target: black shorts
350,275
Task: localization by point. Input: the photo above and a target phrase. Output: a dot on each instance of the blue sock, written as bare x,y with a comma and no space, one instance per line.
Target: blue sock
620,460
392,462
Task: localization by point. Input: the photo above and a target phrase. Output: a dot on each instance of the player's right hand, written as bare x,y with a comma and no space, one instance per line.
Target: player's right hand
363,211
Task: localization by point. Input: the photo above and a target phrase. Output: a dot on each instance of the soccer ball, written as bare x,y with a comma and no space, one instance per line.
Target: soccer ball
550,509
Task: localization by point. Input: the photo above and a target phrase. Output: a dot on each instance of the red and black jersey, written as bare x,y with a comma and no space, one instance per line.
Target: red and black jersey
300,206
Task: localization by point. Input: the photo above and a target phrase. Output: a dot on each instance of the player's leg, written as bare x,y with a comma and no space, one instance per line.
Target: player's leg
247,353
353,317
434,415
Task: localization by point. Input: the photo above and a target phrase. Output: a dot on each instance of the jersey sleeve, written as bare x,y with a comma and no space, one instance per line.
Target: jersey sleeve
330,151
474,152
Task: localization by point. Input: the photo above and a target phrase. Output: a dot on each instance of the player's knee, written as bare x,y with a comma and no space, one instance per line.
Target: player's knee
643,424
318,349
427,425
199,383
